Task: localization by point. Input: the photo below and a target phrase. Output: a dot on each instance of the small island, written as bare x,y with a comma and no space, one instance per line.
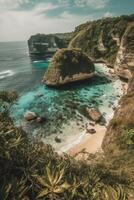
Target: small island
68,65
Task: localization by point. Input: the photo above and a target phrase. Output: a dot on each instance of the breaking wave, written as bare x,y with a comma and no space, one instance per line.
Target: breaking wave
6,73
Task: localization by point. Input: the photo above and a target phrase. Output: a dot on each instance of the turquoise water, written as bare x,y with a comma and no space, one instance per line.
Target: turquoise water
62,108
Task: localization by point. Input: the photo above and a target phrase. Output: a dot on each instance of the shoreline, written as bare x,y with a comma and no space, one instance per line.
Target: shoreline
91,143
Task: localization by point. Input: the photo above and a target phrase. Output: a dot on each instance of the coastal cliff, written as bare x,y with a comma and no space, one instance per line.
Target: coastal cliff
118,142
122,124
108,40
124,63
47,44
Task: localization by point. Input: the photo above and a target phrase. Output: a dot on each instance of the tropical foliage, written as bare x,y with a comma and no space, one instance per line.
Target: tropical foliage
31,170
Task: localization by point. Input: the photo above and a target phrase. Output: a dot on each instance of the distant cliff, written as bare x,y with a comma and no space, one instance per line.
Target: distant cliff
47,45
110,40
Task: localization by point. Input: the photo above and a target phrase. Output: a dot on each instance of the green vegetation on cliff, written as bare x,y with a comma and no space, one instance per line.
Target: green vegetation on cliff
101,39
118,143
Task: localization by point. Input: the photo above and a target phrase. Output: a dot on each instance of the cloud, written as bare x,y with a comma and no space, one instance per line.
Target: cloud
21,18
43,7
12,4
18,25
95,4
108,14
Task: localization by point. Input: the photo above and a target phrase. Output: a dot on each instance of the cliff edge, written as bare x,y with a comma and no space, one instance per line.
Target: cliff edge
108,40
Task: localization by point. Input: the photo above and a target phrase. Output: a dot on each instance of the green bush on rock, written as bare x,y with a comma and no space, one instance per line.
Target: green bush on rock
128,136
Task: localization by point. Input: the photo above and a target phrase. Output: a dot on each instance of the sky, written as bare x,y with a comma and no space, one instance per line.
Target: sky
19,19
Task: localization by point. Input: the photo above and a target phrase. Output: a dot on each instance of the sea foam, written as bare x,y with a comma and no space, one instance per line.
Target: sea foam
6,73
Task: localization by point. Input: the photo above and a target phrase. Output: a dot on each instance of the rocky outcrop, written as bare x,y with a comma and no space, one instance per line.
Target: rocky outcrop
110,40
116,38
57,139
68,66
47,45
40,120
94,114
91,131
101,46
125,57
32,116
29,116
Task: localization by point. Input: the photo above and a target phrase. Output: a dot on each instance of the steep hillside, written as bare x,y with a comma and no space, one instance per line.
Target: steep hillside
122,124
110,40
118,143
31,170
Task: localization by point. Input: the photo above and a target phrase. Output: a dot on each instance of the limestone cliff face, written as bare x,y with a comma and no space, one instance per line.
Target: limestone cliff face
110,40
121,125
124,63
118,143
68,66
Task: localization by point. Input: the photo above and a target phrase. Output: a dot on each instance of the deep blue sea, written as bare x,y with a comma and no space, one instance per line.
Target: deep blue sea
62,108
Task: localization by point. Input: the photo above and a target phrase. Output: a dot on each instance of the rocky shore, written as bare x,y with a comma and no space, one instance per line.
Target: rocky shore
94,133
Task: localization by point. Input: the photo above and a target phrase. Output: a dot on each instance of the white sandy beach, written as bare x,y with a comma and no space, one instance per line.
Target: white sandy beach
90,143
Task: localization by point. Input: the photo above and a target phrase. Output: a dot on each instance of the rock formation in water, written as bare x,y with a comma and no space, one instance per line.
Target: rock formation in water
68,66
94,114
29,116
109,40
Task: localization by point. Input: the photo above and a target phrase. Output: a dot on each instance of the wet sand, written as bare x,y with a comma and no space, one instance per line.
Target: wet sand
90,143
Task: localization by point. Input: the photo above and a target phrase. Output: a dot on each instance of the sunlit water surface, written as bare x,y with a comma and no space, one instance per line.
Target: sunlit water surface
62,108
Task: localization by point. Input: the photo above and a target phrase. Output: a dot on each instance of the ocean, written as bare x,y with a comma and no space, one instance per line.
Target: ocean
62,108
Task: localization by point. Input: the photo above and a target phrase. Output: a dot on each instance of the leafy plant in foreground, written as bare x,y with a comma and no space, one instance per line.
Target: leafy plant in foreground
52,182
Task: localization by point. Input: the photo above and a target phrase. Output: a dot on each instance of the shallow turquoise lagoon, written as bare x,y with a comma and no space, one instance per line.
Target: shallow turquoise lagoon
62,106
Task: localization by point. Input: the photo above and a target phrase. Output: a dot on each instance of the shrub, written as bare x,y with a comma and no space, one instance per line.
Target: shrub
128,136
31,170
115,122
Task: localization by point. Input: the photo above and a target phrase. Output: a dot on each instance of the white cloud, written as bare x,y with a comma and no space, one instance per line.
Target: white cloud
42,7
11,4
108,14
96,4
75,19
19,25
